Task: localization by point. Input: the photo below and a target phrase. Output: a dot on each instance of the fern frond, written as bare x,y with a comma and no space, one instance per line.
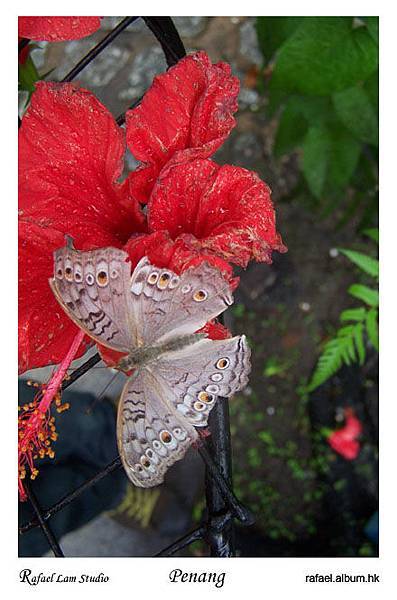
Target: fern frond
372,327
353,314
359,342
366,263
364,293
373,234
346,347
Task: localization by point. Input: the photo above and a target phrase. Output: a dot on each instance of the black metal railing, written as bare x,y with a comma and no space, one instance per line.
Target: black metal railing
222,506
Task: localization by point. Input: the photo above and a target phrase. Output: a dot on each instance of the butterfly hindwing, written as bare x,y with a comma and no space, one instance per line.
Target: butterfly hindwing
92,288
151,435
197,374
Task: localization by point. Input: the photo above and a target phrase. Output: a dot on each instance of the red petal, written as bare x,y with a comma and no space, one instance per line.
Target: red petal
226,211
57,29
349,449
190,108
109,356
70,157
177,255
215,331
353,427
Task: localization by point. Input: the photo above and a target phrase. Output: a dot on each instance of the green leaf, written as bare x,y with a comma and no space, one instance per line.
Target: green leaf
371,87
346,347
364,293
373,233
291,129
27,75
343,158
366,263
316,147
266,437
273,31
372,327
300,112
373,27
325,55
353,314
330,155
357,114
359,341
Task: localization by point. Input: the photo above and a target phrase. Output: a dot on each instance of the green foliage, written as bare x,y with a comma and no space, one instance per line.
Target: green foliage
368,264
358,324
273,31
324,85
364,293
355,110
373,234
348,51
27,75
371,321
330,156
274,367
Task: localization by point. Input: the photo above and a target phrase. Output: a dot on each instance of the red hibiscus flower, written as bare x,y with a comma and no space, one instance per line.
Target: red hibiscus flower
57,29
71,159
344,440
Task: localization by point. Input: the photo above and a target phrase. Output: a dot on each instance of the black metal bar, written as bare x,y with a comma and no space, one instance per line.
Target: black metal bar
239,511
98,48
166,33
77,373
121,118
55,547
219,538
115,464
184,541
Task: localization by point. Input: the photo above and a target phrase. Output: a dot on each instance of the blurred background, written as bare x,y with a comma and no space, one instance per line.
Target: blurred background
305,431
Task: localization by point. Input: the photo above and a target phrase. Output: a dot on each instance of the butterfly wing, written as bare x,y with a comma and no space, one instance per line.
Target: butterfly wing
162,403
166,305
151,434
197,374
92,288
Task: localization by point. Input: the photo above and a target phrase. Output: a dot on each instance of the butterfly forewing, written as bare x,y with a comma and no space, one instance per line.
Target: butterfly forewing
166,305
92,287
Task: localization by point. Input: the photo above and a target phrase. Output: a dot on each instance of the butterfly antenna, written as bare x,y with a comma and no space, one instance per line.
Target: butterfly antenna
101,395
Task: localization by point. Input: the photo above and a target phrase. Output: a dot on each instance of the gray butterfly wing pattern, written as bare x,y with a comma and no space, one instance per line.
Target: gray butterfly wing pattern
163,403
197,374
151,435
92,287
172,393
166,305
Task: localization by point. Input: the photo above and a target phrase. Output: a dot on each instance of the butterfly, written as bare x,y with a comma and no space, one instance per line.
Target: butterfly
152,316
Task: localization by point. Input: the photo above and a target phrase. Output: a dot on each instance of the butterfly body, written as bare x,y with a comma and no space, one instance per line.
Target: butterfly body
152,316
144,355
